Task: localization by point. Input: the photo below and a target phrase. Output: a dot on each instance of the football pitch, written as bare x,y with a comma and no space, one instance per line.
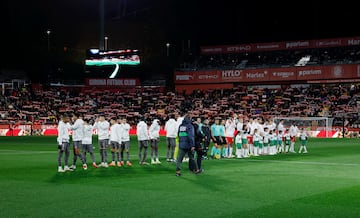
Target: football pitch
322,183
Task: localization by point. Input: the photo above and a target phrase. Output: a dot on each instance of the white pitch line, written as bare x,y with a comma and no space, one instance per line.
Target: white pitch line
307,162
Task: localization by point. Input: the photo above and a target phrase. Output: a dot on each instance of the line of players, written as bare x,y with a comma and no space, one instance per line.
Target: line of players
118,139
114,135
254,138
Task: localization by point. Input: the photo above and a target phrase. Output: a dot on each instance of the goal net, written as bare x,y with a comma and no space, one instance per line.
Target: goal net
321,125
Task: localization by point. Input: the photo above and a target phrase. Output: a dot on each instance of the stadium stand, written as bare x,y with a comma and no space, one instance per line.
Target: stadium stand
282,58
340,100
44,106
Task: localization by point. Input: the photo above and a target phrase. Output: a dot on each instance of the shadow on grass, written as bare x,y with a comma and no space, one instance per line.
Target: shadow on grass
135,171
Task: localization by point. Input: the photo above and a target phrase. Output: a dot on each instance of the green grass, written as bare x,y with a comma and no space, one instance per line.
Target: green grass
323,183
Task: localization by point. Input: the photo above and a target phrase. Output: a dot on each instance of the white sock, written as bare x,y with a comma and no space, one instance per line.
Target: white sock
301,147
292,147
251,149
287,148
305,150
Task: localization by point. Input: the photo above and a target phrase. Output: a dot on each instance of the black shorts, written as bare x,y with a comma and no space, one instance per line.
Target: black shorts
218,140
223,140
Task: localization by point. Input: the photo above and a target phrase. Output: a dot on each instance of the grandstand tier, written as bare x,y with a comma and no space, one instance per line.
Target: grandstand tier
334,60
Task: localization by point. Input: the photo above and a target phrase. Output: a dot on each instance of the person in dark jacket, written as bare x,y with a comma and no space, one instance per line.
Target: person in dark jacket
205,129
186,135
199,139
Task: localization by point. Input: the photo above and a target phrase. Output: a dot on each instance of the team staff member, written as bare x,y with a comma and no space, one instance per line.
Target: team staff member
186,145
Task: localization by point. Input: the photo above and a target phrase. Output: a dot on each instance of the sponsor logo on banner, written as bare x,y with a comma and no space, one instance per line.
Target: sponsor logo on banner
284,74
256,75
208,77
231,74
309,72
338,71
325,43
298,44
212,50
354,42
267,46
239,48
184,77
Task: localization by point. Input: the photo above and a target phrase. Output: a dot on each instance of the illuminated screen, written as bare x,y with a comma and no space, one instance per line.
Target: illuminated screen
109,63
117,57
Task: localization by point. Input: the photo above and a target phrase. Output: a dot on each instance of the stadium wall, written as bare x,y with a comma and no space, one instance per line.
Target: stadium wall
51,130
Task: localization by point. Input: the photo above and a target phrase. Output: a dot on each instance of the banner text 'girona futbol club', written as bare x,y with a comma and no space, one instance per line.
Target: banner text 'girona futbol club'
128,82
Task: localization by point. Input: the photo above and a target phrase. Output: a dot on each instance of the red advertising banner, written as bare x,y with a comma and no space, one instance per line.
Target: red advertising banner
112,82
306,73
197,77
288,45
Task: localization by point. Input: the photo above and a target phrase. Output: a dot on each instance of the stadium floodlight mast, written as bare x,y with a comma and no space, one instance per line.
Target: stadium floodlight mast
167,49
106,42
48,32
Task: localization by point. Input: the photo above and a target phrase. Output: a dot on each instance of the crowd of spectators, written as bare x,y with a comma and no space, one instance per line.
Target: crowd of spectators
282,58
25,105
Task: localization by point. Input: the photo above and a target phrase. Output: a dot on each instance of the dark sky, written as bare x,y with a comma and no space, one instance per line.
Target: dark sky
207,22
149,24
